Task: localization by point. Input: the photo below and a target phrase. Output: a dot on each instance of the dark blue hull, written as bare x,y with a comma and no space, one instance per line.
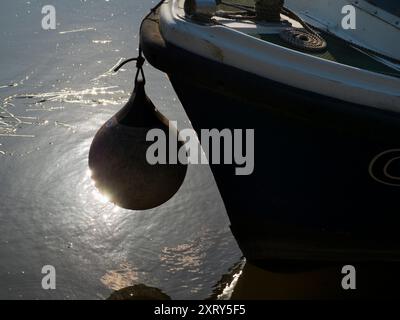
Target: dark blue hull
316,193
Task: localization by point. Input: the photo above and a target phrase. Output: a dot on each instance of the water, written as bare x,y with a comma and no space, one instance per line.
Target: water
56,90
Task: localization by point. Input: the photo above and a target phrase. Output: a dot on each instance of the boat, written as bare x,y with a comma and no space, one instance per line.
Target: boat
324,103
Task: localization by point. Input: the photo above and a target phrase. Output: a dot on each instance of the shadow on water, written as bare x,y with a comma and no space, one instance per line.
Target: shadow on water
373,280
245,281
222,290
139,292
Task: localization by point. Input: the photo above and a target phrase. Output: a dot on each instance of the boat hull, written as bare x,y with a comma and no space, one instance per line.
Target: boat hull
312,195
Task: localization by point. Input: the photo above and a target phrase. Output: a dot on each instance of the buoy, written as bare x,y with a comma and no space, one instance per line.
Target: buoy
117,156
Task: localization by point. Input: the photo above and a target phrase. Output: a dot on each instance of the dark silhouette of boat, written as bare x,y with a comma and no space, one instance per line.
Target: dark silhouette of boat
325,112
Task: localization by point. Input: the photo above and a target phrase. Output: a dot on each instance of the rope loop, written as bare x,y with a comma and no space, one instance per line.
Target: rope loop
140,60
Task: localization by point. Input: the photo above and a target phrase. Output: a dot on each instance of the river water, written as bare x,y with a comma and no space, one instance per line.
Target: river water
56,90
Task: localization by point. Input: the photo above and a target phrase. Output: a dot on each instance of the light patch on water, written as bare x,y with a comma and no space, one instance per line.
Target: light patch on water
9,85
188,260
85,97
125,276
10,123
77,30
65,125
17,135
102,198
227,292
101,41
96,194
187,257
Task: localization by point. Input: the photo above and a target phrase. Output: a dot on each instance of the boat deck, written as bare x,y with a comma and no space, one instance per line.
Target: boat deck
338,50
341,52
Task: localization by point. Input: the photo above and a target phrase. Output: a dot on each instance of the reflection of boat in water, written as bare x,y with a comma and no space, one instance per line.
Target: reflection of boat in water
374,280
245,281
325,108
139,292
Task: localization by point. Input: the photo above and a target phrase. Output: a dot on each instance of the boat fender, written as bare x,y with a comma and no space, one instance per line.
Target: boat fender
118,154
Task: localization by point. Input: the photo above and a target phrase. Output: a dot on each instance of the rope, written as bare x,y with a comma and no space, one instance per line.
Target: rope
303,40
140,60
307,39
